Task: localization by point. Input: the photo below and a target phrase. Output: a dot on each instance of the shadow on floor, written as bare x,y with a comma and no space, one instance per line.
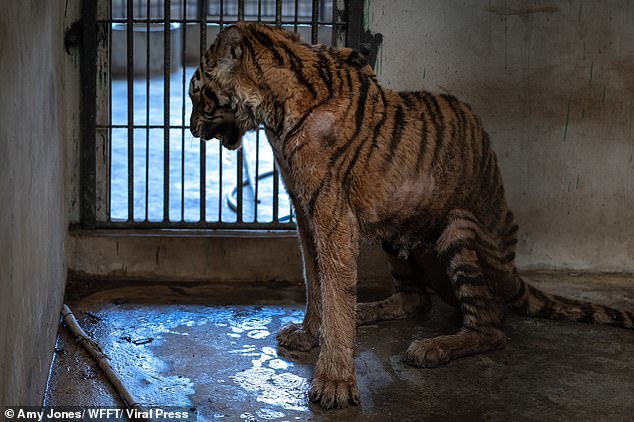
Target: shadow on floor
213,349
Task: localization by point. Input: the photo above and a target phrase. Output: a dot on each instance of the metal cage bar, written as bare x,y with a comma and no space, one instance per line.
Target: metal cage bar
203,145
314,26
167,53
147,115
109,135
130,76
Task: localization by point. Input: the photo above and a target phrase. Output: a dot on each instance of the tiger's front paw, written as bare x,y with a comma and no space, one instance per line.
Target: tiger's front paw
293,337
334,393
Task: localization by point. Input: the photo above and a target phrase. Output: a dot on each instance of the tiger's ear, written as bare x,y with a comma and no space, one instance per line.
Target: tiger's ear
230,47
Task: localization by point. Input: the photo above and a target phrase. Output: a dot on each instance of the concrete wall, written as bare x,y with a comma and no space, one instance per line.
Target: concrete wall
554,84
189,256
33,127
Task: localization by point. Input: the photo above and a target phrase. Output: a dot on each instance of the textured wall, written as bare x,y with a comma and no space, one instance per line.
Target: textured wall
33,124
188,256
554,84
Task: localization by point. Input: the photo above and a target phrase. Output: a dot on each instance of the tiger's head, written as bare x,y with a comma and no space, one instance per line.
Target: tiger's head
227,90
223,96
250,70
210,119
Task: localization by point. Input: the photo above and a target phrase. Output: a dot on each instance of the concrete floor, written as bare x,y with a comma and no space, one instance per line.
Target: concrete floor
213,348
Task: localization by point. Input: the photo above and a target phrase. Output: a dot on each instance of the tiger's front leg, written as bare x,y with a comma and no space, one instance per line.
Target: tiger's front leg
336,241
305,336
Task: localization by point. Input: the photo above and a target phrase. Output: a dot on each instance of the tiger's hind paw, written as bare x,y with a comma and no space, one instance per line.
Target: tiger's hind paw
432,352
427,353
293,337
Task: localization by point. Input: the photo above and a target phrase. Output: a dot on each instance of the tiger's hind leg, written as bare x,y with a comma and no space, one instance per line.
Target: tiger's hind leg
481,307
408,299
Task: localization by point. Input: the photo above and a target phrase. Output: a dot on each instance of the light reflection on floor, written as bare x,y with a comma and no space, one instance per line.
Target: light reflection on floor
241,339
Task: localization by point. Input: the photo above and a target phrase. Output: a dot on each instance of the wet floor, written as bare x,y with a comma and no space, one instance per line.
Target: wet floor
213,349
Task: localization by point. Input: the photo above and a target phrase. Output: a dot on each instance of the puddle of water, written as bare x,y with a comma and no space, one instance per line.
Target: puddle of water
244,332
272,383
258,334
279,364
269,414
284,390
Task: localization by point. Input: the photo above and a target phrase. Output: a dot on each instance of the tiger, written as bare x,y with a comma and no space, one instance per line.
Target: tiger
413,171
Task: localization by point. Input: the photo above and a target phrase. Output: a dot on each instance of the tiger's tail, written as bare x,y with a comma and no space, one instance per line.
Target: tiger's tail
530,301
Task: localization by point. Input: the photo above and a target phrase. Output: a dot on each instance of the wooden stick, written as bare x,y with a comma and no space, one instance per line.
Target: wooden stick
102,361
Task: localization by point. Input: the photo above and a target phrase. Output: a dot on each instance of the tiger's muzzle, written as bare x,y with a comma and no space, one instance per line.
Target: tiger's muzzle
224,128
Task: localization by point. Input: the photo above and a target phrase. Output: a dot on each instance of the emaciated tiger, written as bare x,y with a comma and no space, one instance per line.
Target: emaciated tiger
412,170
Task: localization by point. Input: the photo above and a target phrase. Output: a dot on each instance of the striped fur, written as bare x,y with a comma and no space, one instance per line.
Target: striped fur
412,170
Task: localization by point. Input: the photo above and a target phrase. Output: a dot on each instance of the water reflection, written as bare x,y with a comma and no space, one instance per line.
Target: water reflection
269,380
285,389
222,350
